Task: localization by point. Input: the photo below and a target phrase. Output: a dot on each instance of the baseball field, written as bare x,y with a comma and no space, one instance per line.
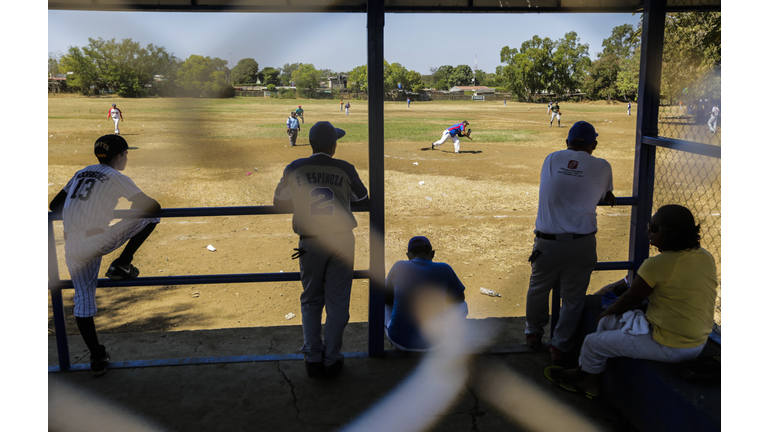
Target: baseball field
478,207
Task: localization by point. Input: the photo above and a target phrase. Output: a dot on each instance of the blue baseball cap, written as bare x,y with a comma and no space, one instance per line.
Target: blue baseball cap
418,241
324,134
582,130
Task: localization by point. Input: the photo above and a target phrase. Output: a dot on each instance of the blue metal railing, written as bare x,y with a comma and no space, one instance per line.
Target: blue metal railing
56,285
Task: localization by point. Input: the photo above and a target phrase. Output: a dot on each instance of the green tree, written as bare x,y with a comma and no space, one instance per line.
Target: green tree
307,79
692,55
618,52
245,72
461,76
443,73
570,64
528,71
287,72
204,76
358,79
481,78
54,61
270,75
122,67
396,74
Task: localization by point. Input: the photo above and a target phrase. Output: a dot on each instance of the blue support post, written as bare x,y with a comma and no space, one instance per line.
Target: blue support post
649,91
376,170
57,304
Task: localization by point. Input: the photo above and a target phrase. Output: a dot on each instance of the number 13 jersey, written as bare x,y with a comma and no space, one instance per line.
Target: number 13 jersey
321,189
92,195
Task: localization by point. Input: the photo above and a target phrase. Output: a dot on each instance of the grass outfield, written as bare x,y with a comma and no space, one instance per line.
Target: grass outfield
478,207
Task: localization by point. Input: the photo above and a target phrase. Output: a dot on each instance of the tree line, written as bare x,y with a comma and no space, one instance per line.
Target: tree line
538,68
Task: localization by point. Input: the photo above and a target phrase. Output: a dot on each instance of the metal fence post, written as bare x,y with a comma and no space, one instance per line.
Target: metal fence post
652,48
376,170
57,304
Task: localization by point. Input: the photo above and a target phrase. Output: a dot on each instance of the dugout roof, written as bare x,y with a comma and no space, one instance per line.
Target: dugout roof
406,6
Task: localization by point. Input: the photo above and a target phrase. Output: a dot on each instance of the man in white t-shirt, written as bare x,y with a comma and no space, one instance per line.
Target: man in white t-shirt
572,183
712,123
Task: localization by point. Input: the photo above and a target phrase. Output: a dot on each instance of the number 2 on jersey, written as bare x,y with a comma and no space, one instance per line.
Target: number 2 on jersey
85,192
325,195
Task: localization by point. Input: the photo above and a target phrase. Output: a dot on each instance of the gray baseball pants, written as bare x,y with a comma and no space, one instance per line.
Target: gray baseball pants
326,275
609,342
292,135
571,262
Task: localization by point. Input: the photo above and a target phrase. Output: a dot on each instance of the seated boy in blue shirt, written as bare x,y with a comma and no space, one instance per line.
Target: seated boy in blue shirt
422,299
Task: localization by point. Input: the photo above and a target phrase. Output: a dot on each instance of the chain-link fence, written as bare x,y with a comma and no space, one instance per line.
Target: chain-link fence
690,111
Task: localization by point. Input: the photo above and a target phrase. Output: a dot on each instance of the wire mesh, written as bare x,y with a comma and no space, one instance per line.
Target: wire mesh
692,181
690,106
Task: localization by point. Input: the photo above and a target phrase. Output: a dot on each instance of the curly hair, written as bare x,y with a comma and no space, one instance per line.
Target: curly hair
679,228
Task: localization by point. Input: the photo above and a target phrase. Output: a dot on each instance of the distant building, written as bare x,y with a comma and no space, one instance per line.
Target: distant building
337,82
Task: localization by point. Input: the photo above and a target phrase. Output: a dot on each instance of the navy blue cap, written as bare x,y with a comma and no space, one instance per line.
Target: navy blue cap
324,134
583,131
418,241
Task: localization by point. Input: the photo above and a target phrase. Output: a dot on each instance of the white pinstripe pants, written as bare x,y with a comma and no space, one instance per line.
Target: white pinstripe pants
83,256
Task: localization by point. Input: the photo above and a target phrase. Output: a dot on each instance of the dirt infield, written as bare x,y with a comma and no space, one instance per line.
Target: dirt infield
478,207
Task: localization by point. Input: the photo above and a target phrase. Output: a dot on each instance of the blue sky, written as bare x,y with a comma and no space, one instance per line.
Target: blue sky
335,41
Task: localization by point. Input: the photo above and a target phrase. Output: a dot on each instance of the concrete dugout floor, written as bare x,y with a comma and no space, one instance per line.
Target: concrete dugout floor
504,390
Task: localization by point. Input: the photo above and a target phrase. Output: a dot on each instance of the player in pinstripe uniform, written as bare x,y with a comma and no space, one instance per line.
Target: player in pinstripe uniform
318,190
87,205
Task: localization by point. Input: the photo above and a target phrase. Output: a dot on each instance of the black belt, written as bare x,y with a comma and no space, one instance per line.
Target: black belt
566,236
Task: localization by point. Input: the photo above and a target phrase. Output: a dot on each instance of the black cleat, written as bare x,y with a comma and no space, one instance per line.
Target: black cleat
122,271
99,362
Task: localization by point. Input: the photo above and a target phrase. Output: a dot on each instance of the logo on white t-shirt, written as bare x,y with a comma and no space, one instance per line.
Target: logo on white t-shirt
573,164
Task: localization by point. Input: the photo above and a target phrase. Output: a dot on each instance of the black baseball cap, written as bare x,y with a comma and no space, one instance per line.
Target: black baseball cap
108,146
324,135
417,242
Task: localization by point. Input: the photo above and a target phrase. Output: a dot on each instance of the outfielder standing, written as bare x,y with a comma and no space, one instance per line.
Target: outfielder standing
455,131
293,128
629,108
555,113
318,190
116,115
300,113
347,107
87,205
712,123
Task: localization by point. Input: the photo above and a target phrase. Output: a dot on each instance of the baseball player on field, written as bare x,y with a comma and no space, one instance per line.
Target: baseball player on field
87,205
318,191
712,123
116,115
555,113
293,128
455,131
300,114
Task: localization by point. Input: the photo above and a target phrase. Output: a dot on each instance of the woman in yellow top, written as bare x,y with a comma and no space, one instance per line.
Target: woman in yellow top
680,284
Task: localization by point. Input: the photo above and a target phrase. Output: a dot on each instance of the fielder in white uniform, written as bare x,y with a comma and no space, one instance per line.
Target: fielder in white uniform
87,205
116,115
712,123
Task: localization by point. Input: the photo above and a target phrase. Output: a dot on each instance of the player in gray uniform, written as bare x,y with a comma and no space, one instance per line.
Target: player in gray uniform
318,190
87,205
